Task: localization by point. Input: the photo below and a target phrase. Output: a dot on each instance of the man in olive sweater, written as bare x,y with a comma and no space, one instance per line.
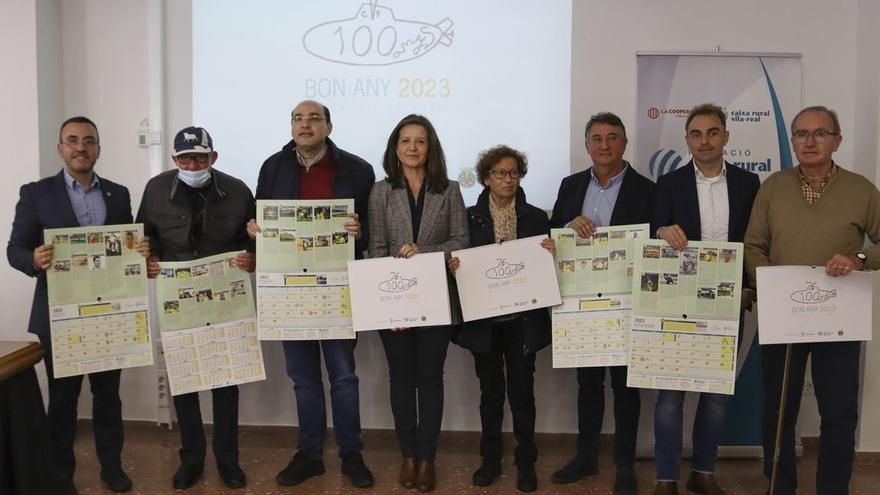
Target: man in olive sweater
814,214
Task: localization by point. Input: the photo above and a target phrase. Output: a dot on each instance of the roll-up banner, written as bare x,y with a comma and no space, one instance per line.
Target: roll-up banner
760,93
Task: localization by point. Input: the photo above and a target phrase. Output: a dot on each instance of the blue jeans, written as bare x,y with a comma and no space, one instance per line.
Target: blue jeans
708,423
303,362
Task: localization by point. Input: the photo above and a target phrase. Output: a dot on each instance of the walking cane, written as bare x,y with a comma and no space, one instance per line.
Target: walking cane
780,419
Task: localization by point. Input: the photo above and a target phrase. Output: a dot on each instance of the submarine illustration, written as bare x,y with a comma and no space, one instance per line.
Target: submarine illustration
504,269
374,36
397,283
813,294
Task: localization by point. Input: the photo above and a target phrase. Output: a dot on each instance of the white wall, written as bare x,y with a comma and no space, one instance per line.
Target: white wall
105,76
20,128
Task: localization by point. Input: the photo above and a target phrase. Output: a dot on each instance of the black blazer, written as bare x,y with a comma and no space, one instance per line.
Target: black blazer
530,221
46,205
634,201
676,201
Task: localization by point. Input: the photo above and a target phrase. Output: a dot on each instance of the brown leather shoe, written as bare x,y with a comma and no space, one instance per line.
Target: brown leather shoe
666,488
408,473
704,484
425,478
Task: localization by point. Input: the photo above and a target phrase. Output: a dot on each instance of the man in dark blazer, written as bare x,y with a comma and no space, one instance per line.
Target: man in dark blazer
75,197
706,200
611,192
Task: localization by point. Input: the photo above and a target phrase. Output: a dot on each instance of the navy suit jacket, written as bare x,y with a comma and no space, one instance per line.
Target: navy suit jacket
46,205
634,201
676,201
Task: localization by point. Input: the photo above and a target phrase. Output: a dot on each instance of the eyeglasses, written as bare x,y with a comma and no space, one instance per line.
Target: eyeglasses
819,136
307,119
190,158
87,142
501,174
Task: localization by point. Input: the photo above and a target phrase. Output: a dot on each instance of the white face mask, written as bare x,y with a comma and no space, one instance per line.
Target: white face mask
196,178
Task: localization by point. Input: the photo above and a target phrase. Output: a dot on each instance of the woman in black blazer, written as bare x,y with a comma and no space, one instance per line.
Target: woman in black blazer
502,213
416,209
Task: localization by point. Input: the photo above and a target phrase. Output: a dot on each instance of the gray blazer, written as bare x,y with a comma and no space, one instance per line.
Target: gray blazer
443,226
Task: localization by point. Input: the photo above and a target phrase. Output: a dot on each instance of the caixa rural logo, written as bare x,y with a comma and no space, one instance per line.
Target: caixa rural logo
664,161
375,36
397,283
813,294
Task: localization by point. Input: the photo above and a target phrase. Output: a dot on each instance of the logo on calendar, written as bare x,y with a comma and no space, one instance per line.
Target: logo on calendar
813,294
504,269
397,283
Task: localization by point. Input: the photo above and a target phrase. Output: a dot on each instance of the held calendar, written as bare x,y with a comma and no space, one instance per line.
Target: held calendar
591,326
208,324
302,276
98,299
685,318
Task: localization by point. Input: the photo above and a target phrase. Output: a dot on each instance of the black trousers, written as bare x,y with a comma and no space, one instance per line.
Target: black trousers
835,371
591,408
415,363
192,434
106,414
507,349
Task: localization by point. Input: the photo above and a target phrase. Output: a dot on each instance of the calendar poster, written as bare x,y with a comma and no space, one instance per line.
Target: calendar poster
98,299
591,326
302,276
685,318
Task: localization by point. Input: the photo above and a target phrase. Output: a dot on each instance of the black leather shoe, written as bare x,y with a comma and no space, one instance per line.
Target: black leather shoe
666,488
487,473
187,475
526,479
625,481
299,469
575,470
232,475
116,479
353,466
704,484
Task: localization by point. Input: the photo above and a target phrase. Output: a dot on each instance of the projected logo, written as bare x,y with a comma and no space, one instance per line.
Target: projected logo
653,113
813,294
397,283
504,269
375,36
663,162
467,178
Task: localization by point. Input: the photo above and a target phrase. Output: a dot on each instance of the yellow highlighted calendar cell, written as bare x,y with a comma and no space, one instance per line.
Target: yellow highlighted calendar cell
300,280
679,326
95,309
586,304
669,337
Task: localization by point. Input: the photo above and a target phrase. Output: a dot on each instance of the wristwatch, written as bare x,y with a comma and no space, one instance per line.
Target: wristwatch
862,257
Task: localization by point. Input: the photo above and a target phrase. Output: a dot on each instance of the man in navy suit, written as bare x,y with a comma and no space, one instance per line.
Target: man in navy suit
706,200
75,197
609,193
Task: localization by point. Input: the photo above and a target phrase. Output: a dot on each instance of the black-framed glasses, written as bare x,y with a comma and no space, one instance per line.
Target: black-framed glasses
819,136
501,174
201,159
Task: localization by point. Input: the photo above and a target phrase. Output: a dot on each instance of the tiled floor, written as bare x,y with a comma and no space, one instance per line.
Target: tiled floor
150,458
